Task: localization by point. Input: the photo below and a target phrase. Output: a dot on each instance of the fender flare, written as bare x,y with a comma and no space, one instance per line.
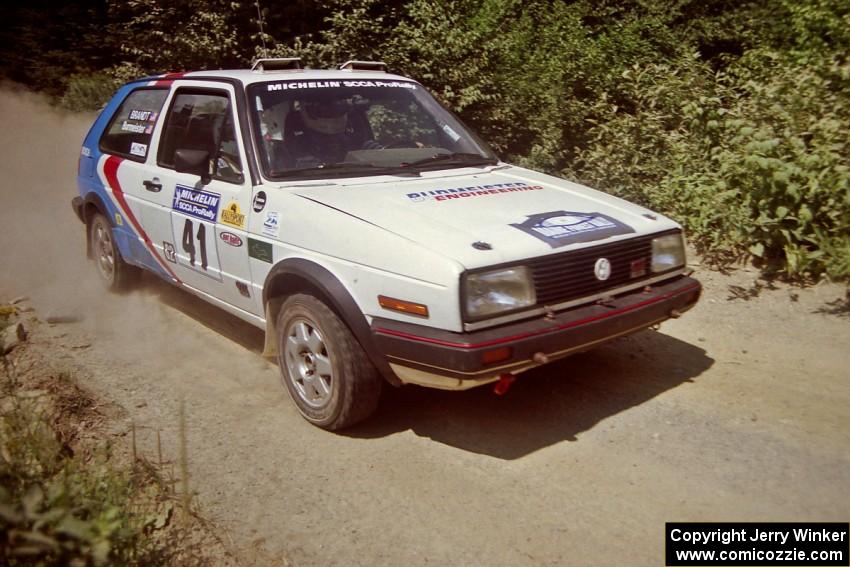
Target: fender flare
93,199
289,276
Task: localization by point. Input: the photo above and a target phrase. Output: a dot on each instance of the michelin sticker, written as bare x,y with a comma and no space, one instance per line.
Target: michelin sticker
301,85
560,228
202,205
271,226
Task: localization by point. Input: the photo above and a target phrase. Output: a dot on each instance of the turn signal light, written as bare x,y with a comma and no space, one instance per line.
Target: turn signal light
495,355
403,306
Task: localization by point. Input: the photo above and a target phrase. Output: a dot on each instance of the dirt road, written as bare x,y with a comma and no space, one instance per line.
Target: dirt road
737,411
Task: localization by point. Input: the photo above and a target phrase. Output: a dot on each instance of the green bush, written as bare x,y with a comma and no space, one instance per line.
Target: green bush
88,92
752,161
731,117
58,510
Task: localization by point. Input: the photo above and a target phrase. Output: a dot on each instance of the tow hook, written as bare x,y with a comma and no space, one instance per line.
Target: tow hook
504,384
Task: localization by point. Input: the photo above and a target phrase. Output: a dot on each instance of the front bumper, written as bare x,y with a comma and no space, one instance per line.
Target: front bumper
448,360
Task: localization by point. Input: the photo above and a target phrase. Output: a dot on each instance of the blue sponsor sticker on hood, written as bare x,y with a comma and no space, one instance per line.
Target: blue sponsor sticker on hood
560,228
196,203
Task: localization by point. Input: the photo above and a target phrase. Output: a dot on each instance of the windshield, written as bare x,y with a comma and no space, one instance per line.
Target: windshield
357,127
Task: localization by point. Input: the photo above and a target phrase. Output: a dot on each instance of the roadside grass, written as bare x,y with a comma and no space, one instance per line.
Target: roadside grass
69,501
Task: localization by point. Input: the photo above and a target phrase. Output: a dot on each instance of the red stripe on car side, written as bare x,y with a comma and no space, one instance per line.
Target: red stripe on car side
167,79
495,342
110,170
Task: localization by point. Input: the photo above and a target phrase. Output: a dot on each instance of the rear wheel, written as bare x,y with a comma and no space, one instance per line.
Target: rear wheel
114,272
324,368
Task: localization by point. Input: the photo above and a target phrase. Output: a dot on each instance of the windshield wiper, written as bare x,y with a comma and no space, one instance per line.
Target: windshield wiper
456,158
342,167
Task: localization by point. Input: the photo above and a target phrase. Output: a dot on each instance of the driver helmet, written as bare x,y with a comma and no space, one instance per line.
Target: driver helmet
326,116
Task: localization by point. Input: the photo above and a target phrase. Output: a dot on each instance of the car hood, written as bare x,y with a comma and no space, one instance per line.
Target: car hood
484,218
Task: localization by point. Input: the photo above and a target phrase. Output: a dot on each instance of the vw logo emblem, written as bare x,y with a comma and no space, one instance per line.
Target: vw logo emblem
602,269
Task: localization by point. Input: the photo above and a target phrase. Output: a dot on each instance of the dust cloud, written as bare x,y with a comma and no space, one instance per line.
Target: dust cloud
42,242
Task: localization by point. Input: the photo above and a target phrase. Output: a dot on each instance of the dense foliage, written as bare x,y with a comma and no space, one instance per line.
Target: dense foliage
733,117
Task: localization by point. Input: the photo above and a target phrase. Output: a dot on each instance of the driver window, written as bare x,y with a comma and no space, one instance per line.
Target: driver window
202,121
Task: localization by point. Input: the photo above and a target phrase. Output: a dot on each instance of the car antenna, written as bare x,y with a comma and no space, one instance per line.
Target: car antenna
260,23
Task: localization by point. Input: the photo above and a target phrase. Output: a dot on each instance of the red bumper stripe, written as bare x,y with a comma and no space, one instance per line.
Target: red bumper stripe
520,336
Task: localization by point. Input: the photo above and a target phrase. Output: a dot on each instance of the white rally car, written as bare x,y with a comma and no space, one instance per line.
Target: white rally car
369,232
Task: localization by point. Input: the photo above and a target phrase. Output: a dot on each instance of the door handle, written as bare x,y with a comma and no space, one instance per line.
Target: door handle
152,185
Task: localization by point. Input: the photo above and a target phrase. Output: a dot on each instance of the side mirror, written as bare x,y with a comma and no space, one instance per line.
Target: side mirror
193,161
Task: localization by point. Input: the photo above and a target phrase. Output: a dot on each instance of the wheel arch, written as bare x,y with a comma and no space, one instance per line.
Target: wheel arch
298,275
93,204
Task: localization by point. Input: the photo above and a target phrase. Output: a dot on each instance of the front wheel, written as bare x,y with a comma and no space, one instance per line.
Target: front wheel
324,368
114,272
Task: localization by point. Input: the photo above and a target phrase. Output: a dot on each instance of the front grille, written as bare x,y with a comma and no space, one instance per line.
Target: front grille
569,275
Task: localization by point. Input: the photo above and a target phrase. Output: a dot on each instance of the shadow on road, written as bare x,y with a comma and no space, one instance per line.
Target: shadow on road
244,334
545,406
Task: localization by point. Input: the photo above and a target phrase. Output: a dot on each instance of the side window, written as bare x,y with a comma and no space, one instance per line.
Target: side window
129,132
202,121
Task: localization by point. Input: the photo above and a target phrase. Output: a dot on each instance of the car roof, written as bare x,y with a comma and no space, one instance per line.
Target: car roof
248,76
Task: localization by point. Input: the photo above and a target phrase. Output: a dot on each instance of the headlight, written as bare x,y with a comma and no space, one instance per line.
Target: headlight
668,252
500,290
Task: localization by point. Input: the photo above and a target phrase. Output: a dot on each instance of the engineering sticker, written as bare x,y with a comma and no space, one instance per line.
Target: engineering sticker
233,216
202,205
475,191
560,228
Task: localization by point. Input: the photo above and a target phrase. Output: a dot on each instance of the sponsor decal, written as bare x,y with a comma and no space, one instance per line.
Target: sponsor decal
259,201
271,226
119,220
138,149
85,151
230,238
302,85
168,251
560,228
143,115
232,215
196,203
134,128
451,133
474,191
260,250
602,269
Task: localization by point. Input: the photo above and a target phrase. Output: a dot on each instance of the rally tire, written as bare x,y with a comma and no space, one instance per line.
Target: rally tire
324,368
115,273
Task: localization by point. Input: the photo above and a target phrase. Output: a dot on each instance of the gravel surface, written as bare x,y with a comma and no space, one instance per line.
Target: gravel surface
738,411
